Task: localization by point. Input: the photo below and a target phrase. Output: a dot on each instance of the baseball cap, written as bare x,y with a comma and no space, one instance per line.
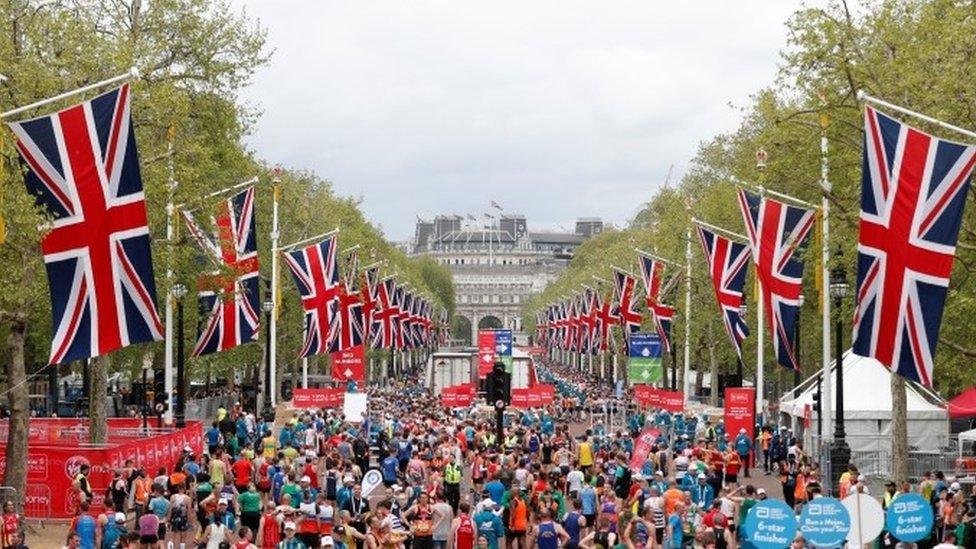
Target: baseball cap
955,487
306,478
327,541
223,501
658,474
701,476
761,491
119,517
348,479
289,525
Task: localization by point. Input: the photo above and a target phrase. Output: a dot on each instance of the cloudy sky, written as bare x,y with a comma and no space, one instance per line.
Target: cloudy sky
554,109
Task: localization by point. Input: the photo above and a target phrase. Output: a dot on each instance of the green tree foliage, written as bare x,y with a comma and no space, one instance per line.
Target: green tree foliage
915,53
194,57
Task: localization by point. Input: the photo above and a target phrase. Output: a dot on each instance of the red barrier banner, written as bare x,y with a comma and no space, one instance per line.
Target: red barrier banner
533,398
486,352
740,411
318,398
547,393
349,364
520,398
449,397
649,396
642,448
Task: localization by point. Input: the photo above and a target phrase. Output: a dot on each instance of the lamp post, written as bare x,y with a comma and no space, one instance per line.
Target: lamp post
179,290
840,452
145,401
796,342
743,309
267,307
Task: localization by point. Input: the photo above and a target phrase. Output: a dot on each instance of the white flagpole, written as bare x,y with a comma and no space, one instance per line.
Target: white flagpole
305,372
168,341
868,99
760,338
826,402
276,189
687,369
133,73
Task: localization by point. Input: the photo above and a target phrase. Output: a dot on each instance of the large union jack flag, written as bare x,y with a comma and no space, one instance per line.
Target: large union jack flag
572,325
606,317
626,307
652,274
727,267
384,319
913,190
228,298
775,231
317,277
349,326
83,169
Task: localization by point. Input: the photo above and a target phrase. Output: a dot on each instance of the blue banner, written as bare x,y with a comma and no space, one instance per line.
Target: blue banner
503,348
825,522
770,524
909,518
644,345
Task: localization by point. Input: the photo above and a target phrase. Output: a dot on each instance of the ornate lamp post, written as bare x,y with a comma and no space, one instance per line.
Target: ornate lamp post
179,290
267,307
840,452
761,157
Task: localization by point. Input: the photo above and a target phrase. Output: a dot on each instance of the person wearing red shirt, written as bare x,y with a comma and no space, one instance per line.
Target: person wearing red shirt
463,528
269,531
242,469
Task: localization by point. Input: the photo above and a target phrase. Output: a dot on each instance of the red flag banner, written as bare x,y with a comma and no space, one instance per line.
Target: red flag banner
318,398
547,393
486,352
740,410
520,398
349,364
672,401
642,448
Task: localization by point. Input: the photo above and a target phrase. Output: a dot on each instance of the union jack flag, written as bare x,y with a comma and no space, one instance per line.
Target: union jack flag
368,290
384,319
652,273
317,277
572,326
626,309
586,322
913,191
84,171
606,317
402,317
443,328
775,231
228,300
727,266
349,327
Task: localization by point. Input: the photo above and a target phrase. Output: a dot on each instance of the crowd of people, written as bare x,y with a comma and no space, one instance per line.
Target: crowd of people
447,480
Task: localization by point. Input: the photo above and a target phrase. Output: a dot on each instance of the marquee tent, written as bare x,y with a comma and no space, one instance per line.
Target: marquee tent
964,405
868,404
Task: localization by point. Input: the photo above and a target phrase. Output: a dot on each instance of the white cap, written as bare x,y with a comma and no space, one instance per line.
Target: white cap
955,487
306,478
119,517
742,430
861,478
658,474
761,491
638,476
289,525
327,540
223,501
701,476
348,479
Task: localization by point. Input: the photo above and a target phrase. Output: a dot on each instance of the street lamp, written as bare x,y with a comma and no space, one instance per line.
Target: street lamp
796,342
840,453
179,290
743,309
267,307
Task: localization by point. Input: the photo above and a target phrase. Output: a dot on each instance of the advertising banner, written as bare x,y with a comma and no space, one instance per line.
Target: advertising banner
740,411
770,524
458,396
547,393
644,358
520,398
318,398
503,348
648,396
349,364
486,352
642,448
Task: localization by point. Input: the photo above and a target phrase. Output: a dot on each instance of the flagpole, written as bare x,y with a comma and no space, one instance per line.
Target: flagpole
687,369
659,258
133,73
862,96
760,373
276,186
826,402
168,342
305,372
309,239
234,187
726,232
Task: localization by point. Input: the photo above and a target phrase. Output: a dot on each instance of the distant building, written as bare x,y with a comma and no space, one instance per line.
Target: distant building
497,264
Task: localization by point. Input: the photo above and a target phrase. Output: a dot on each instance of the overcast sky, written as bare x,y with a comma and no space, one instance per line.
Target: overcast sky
554,109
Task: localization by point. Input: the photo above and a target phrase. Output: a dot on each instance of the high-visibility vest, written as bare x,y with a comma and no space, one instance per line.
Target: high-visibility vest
452,473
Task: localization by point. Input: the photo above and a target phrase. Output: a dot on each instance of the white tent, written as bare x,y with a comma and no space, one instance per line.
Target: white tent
867,407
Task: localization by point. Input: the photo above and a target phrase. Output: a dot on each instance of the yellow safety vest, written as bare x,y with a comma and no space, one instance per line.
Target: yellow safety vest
452,473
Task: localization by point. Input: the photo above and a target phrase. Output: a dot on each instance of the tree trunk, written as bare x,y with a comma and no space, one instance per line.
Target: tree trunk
899,430
98,429
713,363
665,365
699,373
15,474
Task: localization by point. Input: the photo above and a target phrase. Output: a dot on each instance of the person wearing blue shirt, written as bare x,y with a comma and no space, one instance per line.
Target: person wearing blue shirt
743,444
285,437
490,526
496,490
213,438
702,494
675,532
404,453
389,468
277,481
588,502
